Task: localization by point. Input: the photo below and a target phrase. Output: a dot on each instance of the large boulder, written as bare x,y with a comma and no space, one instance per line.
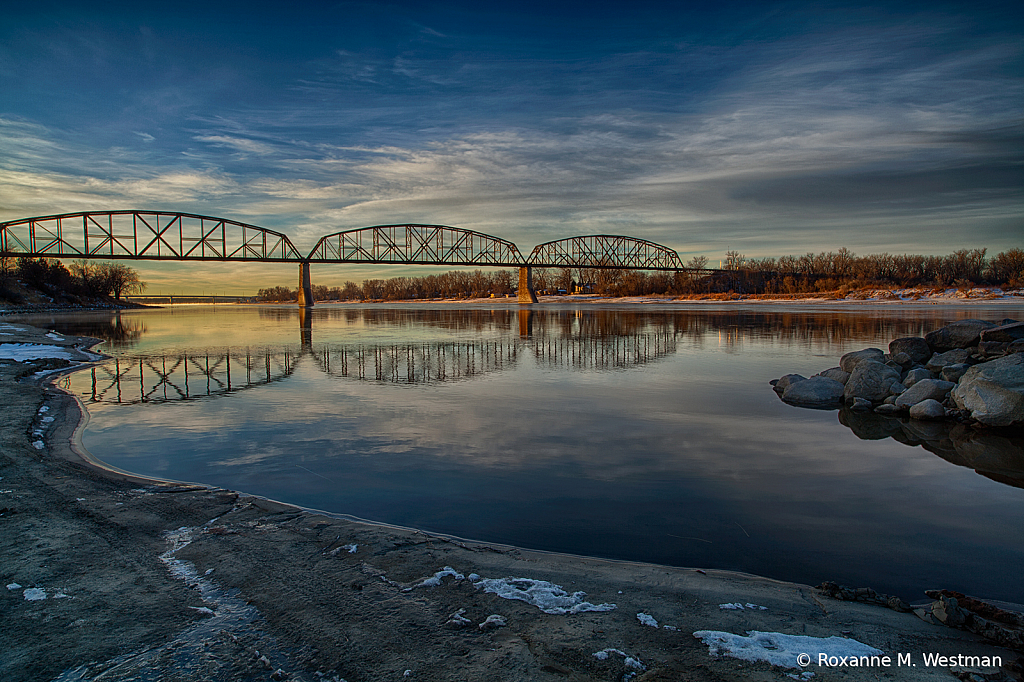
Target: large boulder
950,357
914,346
926,389
852,359
870,380
993,392
835,373
814,392
959,334
1006,333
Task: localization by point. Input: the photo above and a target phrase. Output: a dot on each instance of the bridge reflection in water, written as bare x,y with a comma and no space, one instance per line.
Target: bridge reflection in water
156,378
166,377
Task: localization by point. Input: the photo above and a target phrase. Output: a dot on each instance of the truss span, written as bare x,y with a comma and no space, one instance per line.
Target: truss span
415,245
604,251
144,235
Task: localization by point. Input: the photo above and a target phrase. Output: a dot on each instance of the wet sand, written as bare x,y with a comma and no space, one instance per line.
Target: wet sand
152,580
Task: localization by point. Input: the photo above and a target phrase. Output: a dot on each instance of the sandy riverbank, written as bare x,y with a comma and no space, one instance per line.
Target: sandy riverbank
146,580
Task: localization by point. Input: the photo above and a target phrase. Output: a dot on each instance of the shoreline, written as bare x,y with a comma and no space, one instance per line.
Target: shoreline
202,583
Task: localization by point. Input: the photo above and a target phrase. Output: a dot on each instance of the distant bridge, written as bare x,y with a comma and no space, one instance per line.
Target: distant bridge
161,235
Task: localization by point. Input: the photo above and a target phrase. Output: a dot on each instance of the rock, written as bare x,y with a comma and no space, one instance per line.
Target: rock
887,408
836,373
851,360
953,357
914,346
928,409
926,389
994,391
890,400
955,371
787,381
902,359
1015,347
897,388
860,405
915,375
947,611
992,349
871,380
959,334
1006,333
817,391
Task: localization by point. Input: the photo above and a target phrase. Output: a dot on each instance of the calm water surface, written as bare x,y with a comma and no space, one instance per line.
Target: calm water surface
640,433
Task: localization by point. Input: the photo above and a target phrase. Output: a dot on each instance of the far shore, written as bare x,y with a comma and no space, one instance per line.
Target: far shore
116,576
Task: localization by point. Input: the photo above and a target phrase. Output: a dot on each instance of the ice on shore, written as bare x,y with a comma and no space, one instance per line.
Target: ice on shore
435,580
34,594
647,620
737,606
779,649
33,351
631,662
547,597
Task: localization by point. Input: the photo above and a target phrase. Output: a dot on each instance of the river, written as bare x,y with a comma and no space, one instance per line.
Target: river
643,433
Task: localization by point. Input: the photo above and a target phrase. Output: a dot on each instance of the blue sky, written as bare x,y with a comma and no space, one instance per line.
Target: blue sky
767,128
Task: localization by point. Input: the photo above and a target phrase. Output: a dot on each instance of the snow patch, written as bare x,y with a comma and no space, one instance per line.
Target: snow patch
33,351
38,445
13,586
779,649
55,336
647,620
547,597
34,594
631,662
435,579
737,606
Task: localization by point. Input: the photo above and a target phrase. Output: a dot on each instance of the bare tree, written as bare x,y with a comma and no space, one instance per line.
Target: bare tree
119,280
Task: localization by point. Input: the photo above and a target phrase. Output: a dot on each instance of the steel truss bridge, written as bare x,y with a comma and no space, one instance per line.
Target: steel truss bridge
161,235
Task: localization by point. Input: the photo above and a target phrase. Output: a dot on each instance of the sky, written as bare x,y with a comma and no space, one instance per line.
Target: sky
764,128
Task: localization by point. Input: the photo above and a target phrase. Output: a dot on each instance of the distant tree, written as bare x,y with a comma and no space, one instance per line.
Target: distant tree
734,260
119,280
697,262
277,295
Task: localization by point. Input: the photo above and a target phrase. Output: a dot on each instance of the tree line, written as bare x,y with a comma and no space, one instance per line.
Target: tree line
812,272
83,278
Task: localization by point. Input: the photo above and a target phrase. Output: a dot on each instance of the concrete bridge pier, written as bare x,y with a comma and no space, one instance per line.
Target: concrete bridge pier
526,293
305,286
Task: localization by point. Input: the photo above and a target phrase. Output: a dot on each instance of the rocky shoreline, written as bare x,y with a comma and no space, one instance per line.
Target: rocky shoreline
113,577
969,371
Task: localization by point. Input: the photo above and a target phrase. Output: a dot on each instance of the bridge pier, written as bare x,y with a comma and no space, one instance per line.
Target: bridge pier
305,286
526,293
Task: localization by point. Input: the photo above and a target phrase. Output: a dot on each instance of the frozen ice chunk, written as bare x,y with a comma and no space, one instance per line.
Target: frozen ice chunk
647,620
779,649
435,579
547,597
34,594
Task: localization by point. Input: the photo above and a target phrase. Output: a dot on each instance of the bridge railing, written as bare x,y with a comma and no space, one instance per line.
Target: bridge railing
144,235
